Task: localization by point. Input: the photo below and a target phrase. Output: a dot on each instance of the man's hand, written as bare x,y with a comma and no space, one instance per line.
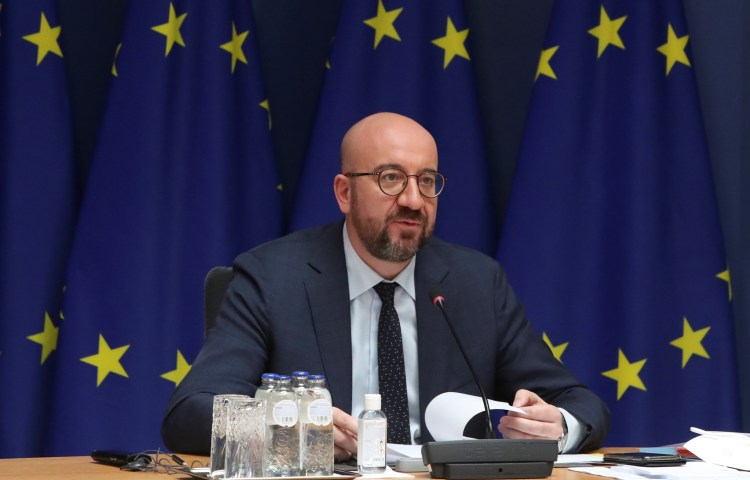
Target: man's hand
543,421
344,435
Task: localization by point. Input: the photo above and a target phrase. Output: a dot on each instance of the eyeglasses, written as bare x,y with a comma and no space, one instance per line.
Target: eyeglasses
392,181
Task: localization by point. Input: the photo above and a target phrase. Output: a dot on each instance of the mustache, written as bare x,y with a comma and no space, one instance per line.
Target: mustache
408,214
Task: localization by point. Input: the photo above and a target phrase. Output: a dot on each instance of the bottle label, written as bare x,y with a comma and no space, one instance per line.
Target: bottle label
371,443
285,413
319,412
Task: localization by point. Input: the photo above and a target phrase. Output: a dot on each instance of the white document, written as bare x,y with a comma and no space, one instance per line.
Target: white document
731,449
578,459
689,471
447,414
389,473
396,451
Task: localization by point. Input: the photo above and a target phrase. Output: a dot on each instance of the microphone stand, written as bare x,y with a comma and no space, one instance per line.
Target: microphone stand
490,430
487,458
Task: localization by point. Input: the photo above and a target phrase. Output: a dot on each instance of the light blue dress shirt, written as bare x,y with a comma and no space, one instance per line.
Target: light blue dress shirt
365,312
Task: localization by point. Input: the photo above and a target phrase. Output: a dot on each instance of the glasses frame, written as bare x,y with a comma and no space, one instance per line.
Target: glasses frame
365,174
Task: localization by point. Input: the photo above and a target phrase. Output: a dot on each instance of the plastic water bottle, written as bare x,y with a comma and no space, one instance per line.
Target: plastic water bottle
268,383
371,436
316,420
281,458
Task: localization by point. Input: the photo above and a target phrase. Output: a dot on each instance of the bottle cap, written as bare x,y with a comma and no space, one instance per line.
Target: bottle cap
372,401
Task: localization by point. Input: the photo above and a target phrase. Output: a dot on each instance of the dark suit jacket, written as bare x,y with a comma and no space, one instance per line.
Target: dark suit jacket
287,309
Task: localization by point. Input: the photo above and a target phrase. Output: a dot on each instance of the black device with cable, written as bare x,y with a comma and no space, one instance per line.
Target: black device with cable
126,461
489,457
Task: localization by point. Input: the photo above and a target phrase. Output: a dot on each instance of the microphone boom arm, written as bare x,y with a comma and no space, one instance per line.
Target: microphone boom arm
490,433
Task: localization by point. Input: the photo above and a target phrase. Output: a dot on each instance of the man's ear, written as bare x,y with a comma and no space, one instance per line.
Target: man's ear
342,188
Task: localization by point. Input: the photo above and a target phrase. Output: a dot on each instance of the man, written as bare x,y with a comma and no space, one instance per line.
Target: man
311,301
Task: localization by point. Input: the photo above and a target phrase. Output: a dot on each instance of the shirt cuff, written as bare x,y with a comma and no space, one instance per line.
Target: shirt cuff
575,432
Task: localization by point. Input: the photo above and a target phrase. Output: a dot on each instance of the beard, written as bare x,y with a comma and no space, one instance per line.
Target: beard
378,242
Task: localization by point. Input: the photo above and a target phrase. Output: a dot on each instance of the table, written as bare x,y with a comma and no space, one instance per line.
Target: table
83,468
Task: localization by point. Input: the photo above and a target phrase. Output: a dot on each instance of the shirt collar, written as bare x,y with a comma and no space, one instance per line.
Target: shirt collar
363,278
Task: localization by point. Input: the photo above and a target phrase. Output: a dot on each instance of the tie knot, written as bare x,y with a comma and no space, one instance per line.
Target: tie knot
385,291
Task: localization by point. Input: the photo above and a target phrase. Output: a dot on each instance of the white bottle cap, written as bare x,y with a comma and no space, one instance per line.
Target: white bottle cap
372,401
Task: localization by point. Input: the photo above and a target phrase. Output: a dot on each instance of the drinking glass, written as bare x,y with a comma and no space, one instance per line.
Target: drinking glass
219,433
246,423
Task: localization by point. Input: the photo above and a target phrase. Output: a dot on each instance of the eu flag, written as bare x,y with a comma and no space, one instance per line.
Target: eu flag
37,213
411,58
182,180
612,238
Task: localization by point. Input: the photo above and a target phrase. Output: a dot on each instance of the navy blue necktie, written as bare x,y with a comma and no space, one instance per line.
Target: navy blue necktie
391,372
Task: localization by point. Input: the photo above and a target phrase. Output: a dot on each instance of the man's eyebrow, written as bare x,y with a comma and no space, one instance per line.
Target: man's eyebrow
400,167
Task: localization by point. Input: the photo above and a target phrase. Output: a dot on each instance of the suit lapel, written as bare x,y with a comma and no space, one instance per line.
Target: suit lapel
432,333
328,296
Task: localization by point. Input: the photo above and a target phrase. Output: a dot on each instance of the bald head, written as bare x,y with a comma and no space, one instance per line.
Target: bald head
387,229
379,133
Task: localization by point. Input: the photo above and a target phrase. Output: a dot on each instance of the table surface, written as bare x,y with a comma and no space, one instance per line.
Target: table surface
83,468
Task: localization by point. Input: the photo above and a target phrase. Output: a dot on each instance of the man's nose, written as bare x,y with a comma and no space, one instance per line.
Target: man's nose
411,197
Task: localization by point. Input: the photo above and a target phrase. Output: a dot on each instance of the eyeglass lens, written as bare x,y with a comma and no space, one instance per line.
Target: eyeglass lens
393,181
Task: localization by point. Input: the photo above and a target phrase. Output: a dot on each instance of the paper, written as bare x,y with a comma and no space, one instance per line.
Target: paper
731,449
689,471
577,459
389,473
447,414
396,451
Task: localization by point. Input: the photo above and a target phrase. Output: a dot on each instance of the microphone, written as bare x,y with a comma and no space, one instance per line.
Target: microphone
488,457
438,300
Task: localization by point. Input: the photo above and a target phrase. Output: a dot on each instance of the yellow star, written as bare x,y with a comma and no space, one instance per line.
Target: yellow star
45,40
267,107
176,375
107,360
626,374
607,31
690,342
674,49
47,338
558,350
234,46
171,29
114,61
452,43
383,23
544,67
725,276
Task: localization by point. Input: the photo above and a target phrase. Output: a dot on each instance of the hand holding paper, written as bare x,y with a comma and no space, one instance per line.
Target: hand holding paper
542,420
447,414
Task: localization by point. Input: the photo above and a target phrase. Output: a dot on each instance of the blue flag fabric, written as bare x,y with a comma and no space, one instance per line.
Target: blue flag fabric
612,238
183,179
37,213
410,58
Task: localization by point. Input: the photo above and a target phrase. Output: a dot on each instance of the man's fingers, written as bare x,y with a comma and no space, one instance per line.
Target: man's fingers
344,421
344,435
525,427
525,398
